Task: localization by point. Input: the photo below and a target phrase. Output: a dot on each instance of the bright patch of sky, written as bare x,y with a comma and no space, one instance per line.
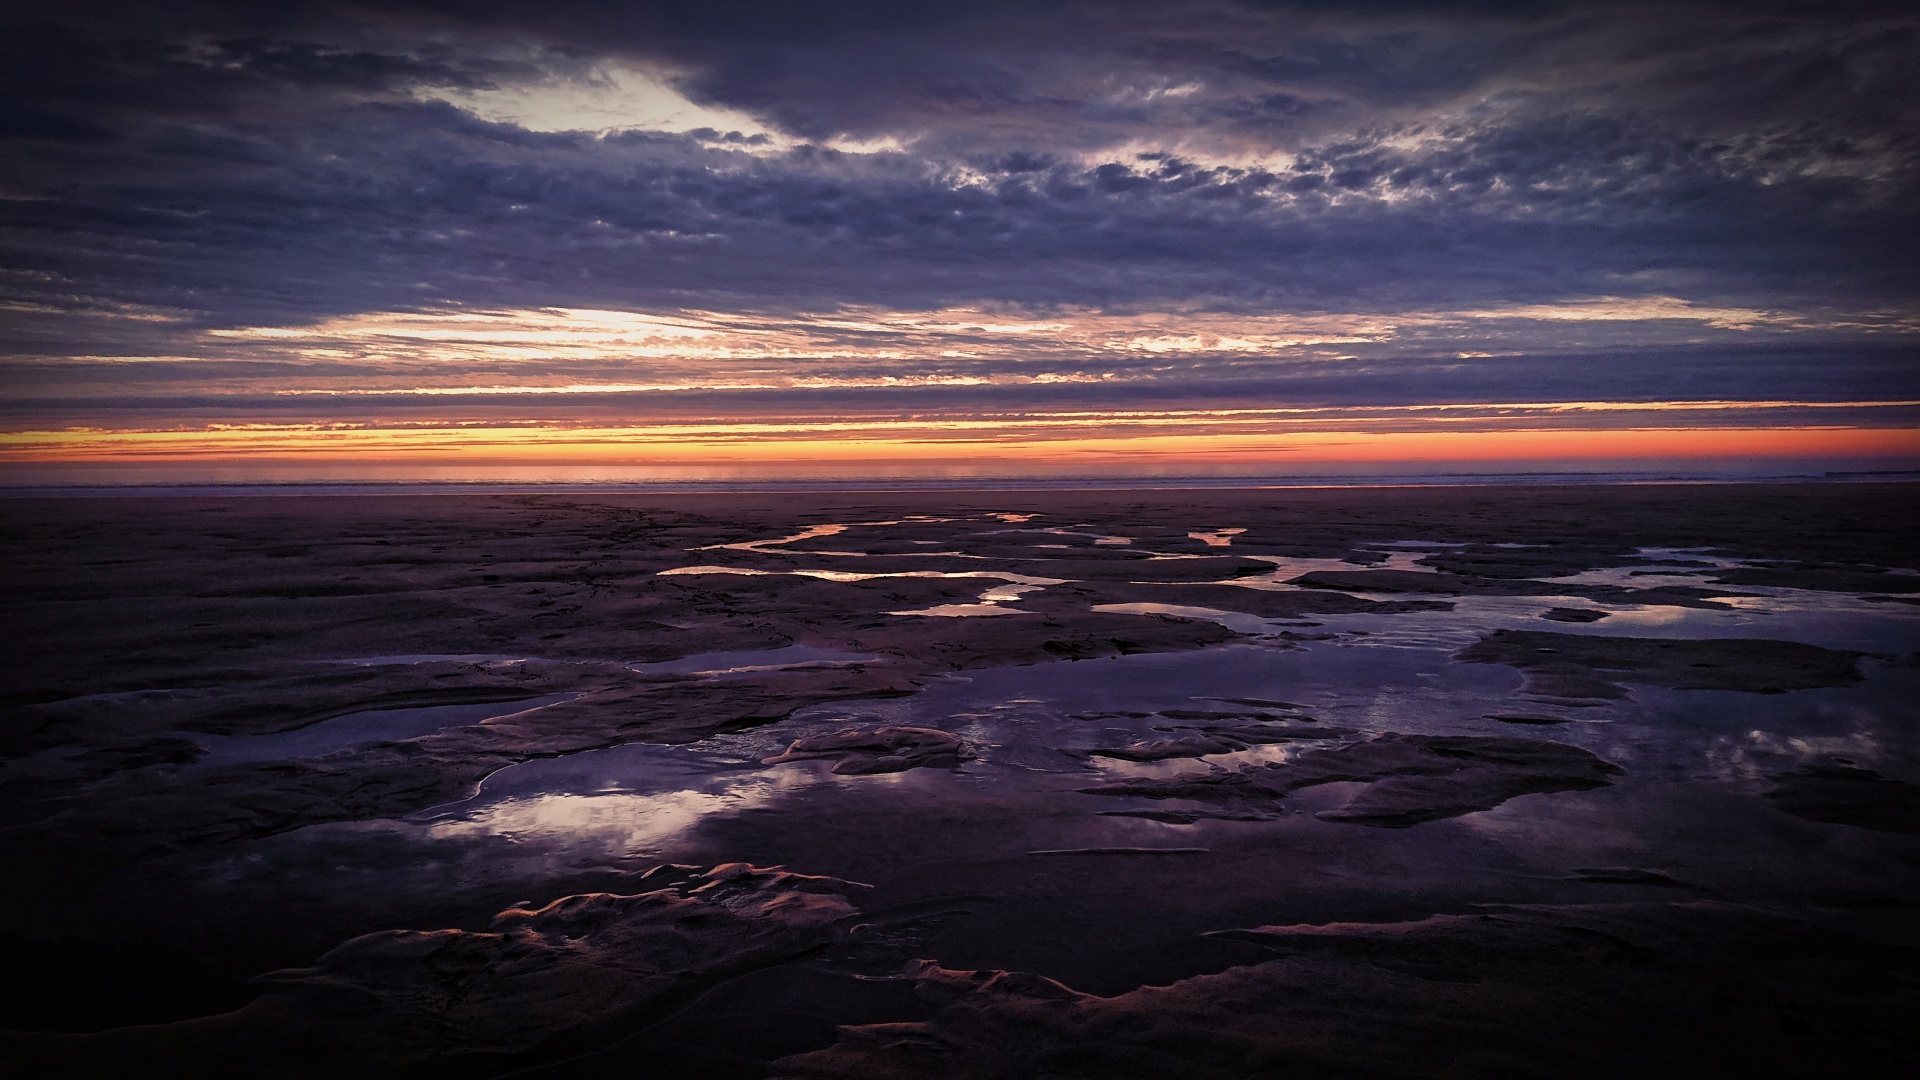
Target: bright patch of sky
954,334
611,96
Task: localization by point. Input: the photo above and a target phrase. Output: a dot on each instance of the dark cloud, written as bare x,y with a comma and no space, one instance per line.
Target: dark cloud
234,165
421,203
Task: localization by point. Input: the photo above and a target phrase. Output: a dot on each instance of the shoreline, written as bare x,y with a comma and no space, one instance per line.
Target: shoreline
870,486
259,749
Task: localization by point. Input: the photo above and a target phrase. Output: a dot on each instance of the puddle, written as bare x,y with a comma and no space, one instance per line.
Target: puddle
989,604
750,660
1286,568
359,728
762,545
962,611
1216,538
851,575
1099,539
1661,566
620,802
610,826
773,545
409,659
1239,622
1271,753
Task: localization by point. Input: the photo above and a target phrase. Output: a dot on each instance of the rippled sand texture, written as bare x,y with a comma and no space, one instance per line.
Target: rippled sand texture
1417,782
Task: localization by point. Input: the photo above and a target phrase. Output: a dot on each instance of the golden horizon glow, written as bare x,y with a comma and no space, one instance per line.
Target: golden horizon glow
967,441
792,364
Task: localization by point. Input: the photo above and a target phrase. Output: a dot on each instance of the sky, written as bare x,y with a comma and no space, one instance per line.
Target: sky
427,238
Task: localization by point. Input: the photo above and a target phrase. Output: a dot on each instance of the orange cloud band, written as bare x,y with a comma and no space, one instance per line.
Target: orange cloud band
1012,443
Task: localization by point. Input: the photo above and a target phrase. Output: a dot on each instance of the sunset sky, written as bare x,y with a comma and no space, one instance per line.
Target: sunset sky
569,239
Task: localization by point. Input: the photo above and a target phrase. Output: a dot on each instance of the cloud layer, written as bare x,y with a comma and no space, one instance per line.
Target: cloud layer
1185,198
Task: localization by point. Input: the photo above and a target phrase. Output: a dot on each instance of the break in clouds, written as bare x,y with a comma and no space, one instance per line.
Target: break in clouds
189,181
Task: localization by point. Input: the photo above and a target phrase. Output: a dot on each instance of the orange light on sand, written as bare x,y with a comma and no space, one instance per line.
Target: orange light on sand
1006,441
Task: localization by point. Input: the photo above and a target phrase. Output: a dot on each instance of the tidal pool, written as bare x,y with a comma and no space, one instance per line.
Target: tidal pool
972,741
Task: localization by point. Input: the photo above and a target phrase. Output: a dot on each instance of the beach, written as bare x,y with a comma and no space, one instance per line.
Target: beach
1408,781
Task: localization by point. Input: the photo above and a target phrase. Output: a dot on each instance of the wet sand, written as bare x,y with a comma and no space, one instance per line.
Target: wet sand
1422,781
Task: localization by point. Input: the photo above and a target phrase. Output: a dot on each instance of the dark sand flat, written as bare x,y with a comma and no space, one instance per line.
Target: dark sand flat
745,785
